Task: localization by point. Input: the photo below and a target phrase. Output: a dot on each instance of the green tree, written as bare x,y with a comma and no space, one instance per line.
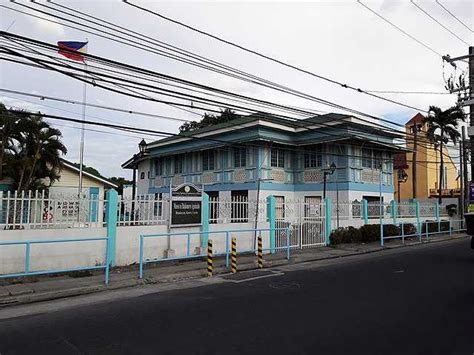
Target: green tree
11,126
209,120
443,128
89,169
33,149
120,182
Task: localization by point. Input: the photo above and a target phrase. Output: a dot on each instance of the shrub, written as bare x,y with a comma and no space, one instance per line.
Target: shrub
345,235
365,234
433,226
409,229
370,233
353,235
390,230
452,209
337,236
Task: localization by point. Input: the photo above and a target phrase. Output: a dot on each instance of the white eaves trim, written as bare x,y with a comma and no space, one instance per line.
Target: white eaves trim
104,181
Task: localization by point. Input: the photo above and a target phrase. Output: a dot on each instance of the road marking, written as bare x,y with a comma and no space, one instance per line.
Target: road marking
272,274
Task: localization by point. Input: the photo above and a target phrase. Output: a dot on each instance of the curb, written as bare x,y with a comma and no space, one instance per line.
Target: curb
194,274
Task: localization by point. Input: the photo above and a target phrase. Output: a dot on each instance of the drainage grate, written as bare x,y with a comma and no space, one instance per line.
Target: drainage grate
250,275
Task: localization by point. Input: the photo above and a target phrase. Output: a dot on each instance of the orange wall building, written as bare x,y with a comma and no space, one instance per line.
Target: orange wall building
427,167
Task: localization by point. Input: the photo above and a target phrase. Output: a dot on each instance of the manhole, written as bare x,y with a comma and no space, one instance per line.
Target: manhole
250,275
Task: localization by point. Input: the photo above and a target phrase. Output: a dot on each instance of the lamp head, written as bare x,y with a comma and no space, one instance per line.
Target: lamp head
142,146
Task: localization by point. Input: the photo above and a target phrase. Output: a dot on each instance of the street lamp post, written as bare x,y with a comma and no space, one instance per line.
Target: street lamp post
142,150
331,170
402,177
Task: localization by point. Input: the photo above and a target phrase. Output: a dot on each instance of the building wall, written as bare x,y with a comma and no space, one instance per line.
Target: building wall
70,178
427,171
293,179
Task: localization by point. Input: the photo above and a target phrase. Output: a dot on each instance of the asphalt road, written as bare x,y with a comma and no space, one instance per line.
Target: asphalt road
413,301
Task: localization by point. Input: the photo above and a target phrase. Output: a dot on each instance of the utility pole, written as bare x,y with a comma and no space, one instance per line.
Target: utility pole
469,102
413,169
465,191
461,174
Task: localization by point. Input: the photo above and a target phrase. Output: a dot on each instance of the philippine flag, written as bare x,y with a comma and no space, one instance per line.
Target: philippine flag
72,50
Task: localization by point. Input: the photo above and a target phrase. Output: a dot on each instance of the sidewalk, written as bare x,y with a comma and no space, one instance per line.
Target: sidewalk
48,288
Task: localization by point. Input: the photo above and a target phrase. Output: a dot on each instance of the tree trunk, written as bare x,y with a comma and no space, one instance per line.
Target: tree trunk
441,171
30,175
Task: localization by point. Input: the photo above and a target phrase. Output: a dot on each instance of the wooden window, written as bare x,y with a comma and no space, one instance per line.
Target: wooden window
278,158
313,158
158,167
240,157
178,163
366,158
208,160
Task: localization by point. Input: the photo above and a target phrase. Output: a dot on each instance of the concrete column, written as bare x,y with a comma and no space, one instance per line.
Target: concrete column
111,223
365,211
327,219
271,211
417,212
205,220
394,211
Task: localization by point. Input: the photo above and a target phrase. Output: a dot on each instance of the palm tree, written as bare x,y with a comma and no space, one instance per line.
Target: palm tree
11,126
32,150
442,128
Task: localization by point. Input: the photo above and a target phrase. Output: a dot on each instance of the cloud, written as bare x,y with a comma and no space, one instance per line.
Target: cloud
19,104
48,26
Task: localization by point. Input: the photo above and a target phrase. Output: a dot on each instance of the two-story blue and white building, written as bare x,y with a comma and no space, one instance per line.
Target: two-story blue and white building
259,155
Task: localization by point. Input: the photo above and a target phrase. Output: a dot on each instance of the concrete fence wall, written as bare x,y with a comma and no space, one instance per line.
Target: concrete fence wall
52,256
123,240
59,256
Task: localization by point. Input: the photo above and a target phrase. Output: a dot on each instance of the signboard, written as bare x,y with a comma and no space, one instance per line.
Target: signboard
186,190
186,205
471,193
186,212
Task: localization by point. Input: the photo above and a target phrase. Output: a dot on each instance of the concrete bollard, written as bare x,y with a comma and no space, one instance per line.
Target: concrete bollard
233,256
260,253
209,258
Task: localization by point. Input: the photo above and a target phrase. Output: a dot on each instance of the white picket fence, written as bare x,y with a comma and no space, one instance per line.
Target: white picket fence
143,210
36,209
237,210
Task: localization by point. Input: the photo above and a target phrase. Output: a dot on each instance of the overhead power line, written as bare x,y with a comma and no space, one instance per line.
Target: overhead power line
167,77
102,60
169,134
236,73
278,61
401,30
411,92
69,101
438,22
453,15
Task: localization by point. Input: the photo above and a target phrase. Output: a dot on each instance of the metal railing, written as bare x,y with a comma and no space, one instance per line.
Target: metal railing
421,229
28,243
257,232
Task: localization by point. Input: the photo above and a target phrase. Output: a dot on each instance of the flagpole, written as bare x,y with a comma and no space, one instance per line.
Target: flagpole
81,149
81,153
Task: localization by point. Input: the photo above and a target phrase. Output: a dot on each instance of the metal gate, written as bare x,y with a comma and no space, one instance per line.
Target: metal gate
305,220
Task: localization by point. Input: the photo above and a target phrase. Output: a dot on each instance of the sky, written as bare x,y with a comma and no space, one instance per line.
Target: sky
341,40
